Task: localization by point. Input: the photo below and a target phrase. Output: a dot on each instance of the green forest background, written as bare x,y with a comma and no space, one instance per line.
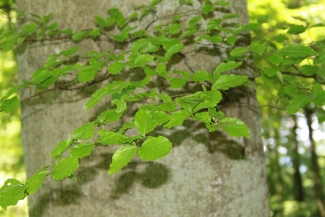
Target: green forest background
290,158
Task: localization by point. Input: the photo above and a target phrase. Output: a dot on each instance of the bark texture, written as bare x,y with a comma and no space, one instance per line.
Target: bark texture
205,174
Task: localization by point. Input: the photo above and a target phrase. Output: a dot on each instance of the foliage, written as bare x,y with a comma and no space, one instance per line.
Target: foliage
150,53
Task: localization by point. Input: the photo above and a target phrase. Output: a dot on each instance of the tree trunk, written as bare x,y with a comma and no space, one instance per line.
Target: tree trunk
297,180
204,175
318,187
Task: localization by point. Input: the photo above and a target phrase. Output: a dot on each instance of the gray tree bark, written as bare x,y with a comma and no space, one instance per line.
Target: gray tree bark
204,175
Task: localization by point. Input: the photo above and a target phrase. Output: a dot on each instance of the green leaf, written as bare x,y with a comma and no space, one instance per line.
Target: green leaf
10,104
144,122
8,43
82,150
298,50
84,132
110,138
227,81
155,148
11,192
209,99
77,36
194,20
111,88
60,148
177,118
70,51
41,75
308,69
118,16
29,28
223,67
175,28
291,89
36,180
87,74
149,72
207,8
100,20
160,117
257,48
238,51
231,39
296,29
186,2
108,117
165,97
143,59
297,102
173,49
65,168
122,157
276,59
155,2
270,72
201,75
178,82
234,127
116,67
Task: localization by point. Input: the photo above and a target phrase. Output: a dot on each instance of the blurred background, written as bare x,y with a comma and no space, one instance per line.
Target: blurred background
295,160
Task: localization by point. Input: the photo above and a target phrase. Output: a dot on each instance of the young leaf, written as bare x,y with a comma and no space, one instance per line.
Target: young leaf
238,51
82,150
60,148
201,75
122,157
116,67
87,74
298,50
10,104
11,192
118,16
36,180
155,148
160,117
84,132
144,122
257,48
173,49
143,59
227,81
29,28
178,82
296,29
207,8
65,168
276,59
110,138
234,127
177,118
111,88
297,102
223,67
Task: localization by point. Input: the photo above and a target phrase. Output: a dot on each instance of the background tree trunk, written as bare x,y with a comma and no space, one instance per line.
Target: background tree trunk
204,175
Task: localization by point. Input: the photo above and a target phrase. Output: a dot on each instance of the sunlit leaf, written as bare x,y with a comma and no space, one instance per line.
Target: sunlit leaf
65,167
144,122
84,132
122,157
155,148
82,150
227,81
223,67
234,127
36,180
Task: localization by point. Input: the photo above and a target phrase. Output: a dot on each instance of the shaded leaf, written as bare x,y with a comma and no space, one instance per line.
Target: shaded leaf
227,81
223,67
297,102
